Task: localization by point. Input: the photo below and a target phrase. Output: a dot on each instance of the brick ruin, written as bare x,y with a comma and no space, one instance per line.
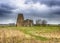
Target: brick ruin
22,22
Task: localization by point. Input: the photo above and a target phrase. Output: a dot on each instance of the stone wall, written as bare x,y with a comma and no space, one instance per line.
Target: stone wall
20,20
28,22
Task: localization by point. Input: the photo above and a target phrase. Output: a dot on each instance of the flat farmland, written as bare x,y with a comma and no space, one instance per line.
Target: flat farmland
35,34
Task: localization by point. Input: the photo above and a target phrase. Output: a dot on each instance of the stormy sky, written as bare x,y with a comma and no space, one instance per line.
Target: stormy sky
32,9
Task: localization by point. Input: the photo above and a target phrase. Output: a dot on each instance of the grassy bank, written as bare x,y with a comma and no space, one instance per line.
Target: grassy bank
47,33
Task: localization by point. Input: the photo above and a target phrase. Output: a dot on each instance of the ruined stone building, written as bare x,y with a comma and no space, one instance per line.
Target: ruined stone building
22,22
28,22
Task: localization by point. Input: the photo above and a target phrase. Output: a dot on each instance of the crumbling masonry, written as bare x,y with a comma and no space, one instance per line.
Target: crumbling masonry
22,22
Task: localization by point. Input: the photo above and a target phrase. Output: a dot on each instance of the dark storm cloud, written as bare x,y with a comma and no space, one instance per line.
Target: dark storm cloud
56,12
6,6
51,2
50,13
6,12
47,2
47,9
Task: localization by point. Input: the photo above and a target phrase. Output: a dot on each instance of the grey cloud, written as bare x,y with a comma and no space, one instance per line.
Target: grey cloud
6,12
7,6
51,2
56,12
46,2
53,14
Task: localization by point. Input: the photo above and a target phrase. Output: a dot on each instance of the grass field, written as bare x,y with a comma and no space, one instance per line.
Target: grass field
35,34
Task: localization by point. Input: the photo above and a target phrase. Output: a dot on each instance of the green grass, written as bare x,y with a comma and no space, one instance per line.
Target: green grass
32,31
